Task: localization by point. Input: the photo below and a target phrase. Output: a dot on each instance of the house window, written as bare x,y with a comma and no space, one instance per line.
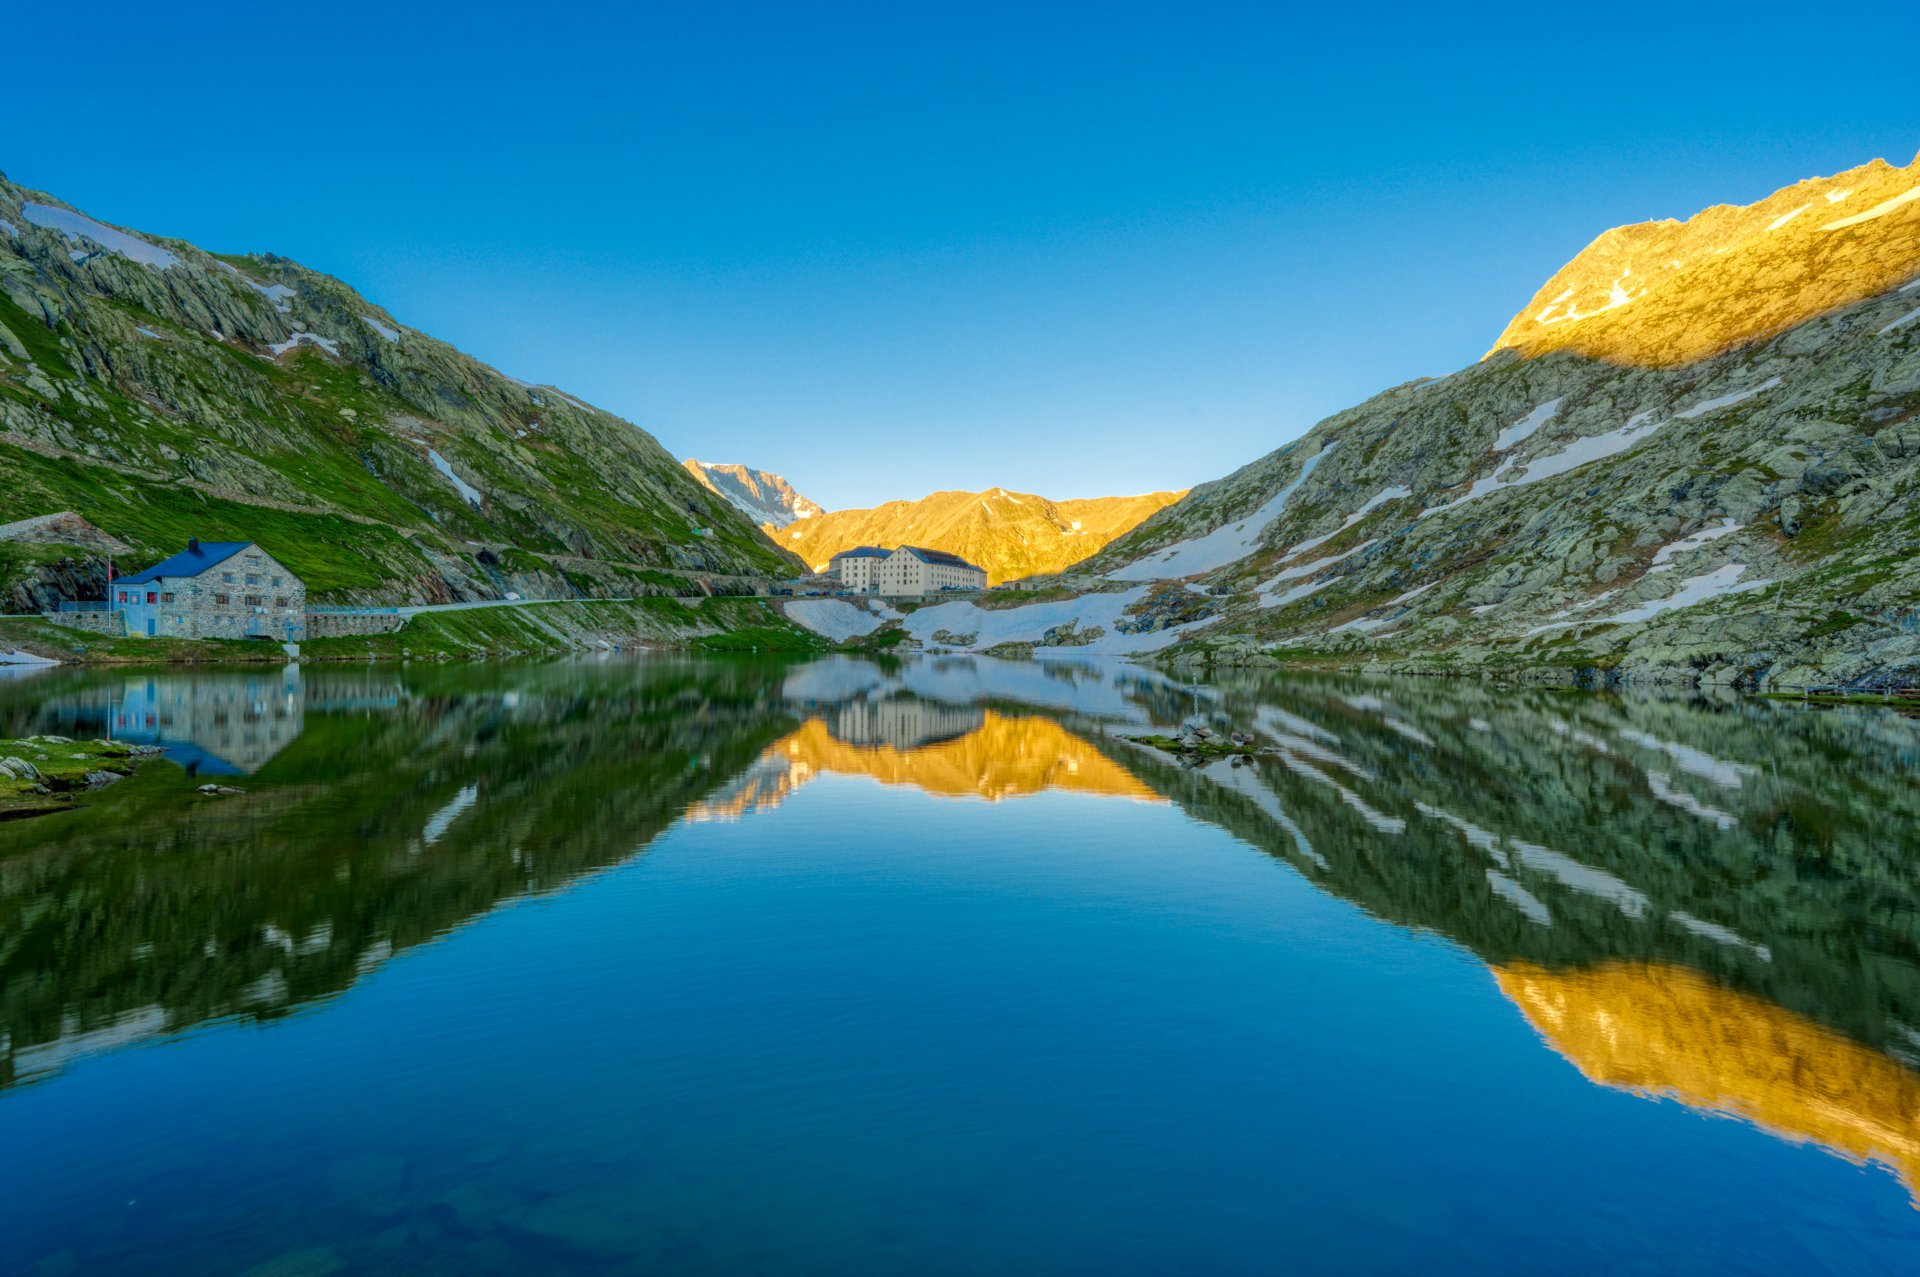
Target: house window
276,582
153,596
252,580
123,596
221,599
227,577
166,598
279,602
252,600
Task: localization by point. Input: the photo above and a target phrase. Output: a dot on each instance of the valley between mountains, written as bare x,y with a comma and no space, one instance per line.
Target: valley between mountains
1693,455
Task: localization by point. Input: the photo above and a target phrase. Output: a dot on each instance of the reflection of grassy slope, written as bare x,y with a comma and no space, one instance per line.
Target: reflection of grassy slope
277,897
1819,868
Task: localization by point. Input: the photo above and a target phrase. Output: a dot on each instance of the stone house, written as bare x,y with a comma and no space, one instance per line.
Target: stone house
214,589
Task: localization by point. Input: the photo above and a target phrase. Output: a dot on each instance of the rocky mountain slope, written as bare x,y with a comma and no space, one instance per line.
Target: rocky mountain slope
1695,454
761,495
1010,534
160,392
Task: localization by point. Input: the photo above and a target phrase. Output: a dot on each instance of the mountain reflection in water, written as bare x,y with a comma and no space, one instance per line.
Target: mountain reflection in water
1003,757
1709,899
1667,1031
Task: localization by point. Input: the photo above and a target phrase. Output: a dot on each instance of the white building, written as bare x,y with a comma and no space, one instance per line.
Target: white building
912,569
858,568
907,569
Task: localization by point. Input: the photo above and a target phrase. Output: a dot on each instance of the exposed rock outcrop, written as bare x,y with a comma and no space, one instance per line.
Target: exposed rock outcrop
1716,478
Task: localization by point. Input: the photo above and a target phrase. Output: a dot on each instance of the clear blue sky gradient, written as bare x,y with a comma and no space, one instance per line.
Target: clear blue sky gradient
892,249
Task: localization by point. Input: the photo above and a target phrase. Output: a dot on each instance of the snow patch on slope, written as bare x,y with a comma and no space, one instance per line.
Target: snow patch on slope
836,619
1378,499
1029,624
1523,428
1901,322
1694,590
1226,544
71,223
1591,448
1878,210
299,339
1661,556
467,490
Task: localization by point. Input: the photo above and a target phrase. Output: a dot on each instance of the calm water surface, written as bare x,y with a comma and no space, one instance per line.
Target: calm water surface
846,967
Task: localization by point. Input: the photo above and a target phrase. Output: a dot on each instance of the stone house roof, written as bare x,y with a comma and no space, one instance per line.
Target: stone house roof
192,561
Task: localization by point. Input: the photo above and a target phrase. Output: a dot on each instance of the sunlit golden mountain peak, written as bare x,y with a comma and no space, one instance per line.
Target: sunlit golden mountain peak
1667,292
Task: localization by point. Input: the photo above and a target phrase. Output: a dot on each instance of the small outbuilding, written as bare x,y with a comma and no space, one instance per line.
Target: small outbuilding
214,589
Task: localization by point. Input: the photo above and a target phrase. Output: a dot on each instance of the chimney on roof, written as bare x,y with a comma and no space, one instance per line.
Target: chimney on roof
193,545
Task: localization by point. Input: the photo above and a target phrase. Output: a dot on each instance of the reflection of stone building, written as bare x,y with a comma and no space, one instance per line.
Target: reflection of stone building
212,723
903,722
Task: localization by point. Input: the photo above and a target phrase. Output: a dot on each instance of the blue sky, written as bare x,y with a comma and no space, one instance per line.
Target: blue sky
890,249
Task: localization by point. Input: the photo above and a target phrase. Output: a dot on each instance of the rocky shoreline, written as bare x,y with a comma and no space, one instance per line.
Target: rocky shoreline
40,775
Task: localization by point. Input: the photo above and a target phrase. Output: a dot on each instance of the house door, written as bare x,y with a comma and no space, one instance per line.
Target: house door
149,627
253,625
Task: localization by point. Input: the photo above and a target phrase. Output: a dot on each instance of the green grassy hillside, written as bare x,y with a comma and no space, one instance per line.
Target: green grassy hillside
163,392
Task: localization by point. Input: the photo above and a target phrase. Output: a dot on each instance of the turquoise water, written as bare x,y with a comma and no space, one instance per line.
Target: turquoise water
727,967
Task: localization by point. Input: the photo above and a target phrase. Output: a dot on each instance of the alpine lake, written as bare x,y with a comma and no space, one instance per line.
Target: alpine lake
678,965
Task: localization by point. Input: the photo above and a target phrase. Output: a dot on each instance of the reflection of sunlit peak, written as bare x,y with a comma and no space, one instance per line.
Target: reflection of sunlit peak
1670,1032
1002,758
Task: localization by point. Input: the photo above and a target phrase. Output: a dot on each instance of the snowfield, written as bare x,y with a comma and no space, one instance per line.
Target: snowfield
1878,210
131,247
467,490
835,619
1103,689
1029,624
1693,590
325,343
1226,544
1591,448
1666,552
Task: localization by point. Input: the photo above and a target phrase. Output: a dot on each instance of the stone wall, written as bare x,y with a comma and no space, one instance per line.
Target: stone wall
111,623
347,625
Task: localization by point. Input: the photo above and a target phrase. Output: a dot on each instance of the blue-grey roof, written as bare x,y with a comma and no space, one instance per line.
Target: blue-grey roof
189,562
863,552
939,556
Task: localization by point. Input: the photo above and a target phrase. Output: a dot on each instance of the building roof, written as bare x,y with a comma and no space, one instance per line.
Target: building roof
863,552
192,561
940,556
